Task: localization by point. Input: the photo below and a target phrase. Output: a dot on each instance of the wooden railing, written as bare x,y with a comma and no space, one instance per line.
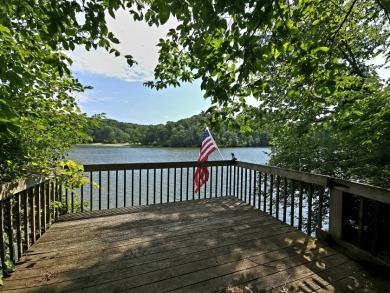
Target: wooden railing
27,209
352,215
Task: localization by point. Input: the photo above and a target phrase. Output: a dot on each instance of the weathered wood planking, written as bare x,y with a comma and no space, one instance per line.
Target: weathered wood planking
194,246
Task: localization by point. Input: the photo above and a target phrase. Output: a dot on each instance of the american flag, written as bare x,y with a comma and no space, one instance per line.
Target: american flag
201,173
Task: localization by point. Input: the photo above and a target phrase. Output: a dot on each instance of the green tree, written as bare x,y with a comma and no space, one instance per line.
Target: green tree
305,62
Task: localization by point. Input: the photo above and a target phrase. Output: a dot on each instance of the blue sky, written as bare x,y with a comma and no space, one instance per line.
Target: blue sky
118,89
132,102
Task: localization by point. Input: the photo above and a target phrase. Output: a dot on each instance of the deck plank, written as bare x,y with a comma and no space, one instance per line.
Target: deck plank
195,246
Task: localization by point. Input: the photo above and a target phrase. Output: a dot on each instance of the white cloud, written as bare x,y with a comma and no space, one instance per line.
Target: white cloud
137,39
83,98
86,97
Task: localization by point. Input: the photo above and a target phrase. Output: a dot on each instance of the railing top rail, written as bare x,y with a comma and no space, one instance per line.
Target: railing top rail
363,190
158,165
10,188
359,189
317,179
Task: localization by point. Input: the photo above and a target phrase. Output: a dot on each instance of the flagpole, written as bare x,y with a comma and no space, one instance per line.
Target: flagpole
215,144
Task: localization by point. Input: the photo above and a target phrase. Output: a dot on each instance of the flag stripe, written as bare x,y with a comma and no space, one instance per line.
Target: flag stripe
201,175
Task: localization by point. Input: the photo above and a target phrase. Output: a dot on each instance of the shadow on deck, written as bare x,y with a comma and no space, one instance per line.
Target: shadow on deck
196,246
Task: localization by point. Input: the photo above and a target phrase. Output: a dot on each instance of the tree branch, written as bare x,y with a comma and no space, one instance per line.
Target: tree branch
384,9
343,22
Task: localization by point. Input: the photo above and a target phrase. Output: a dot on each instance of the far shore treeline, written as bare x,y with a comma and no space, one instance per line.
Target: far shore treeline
183,133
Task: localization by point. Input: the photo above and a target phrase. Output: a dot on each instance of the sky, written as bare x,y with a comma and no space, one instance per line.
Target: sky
118,88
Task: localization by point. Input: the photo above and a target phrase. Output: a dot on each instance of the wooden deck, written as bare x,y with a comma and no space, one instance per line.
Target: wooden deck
197,246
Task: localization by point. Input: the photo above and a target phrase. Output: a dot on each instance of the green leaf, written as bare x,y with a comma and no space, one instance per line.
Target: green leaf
164,14
321,49
114,40
317,21
4,29
275,52
111,12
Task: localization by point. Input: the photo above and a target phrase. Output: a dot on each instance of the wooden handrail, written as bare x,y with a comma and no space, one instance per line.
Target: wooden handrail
16,186
159,165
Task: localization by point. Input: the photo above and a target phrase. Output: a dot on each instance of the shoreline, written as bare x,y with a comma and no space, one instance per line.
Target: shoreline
99,144
106,145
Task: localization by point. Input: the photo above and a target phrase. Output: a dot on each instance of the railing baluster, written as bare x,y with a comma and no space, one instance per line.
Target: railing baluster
72,195
234,181
228,192
108,190
174,184
376,229
161,186
193,183
277,196
254,188
361,221
2,243
39,207
292,202
187,181
147,186
19,242
241,183
309,208
139,187
265,192
237,182
320,206
271,193
90,192
246,185
32,210
42,191
45,206
58,198
198,185
124,188
154,185
26,220
132,188
100,190
285,194
204,188
250,187
181,184
168,184
211,181
81,198
259,192
52,200
216,182
300,206
230,180
11,241
116,188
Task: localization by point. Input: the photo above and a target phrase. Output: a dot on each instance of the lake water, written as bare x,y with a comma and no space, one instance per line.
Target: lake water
94,154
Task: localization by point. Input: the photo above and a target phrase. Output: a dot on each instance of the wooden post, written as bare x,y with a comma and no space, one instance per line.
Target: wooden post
336,213
2,243
11,241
